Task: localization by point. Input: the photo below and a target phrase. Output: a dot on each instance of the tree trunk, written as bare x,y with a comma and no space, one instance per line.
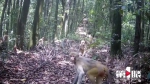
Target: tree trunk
15,12
137,28
21,24
55,22
96,19
65,20
72,18
116,29
142,29
8,20
2,17
35,26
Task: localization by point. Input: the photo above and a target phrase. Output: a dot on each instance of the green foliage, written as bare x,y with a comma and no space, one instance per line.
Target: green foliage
91,12
97,43
128,28
74,37
1,6
98,14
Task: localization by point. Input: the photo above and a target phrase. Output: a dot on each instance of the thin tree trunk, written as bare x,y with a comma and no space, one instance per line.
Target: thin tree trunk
142,29
2,17
137,29
55,22
65,20
72,18
35,30
8,20
16,13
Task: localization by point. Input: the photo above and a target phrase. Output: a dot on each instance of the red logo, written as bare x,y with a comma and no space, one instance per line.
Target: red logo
127,73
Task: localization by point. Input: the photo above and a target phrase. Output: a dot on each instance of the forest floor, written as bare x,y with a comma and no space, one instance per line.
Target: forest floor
51,65
54,65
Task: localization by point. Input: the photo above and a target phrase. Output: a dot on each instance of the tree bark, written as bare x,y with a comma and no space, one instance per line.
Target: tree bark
142,28
116,29
55,22
2,17
137,28
21,24
35,26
